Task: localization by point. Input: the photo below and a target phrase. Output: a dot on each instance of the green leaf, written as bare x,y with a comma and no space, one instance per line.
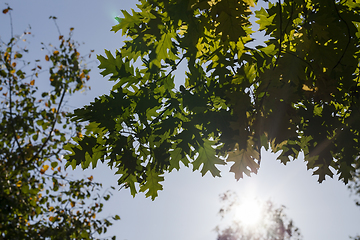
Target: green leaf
176,156
323,171
244,161
127,22
208,159
264,19
54,164
164,46
152,184
128,180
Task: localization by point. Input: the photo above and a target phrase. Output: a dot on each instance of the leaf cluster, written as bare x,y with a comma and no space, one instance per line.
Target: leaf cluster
298,91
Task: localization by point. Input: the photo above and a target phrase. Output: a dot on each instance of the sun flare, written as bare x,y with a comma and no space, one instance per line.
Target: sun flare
249,212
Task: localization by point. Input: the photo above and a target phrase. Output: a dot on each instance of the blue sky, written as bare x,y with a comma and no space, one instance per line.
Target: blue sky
187,207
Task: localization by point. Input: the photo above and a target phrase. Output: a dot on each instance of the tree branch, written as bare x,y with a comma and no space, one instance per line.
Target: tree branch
349,37
51,131
11,113
281,34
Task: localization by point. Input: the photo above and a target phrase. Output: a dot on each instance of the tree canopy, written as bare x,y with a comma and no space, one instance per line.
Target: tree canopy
298,91
38,200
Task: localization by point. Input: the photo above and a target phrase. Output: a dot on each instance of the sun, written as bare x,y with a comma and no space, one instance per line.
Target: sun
249,212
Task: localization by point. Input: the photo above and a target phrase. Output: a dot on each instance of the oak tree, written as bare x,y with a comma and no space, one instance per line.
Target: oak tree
297,91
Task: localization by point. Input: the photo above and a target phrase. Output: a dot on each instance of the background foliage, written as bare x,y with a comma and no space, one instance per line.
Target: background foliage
37,198
272,225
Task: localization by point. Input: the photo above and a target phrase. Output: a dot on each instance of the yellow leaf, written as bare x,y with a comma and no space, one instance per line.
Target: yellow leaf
51,209
13,64
72,204
32,82
51,219
72,29
90,178
182,30
47,58
43,170
250,3
306,88
18,184
79,135
56,52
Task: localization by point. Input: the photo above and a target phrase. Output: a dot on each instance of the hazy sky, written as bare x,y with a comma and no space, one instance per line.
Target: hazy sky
187,207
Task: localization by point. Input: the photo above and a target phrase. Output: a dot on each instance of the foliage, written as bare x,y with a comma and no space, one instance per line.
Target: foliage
274,224
37,198
297,91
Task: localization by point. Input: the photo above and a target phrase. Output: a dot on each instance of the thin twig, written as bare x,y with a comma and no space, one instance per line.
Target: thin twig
11,26
57,26
294,55
11,113
349,37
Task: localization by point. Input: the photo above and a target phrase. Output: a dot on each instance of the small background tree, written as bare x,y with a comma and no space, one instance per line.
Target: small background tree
273,223
37,198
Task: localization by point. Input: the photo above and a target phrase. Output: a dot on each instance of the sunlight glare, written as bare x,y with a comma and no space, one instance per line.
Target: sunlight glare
249,212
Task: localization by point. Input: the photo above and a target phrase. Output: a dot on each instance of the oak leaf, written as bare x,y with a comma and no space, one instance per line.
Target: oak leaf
244,161
207,157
